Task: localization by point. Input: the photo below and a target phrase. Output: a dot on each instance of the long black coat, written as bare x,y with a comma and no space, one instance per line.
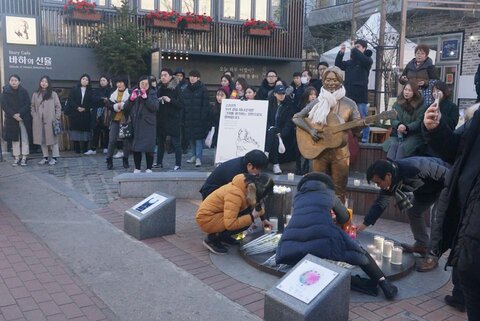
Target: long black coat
143,113
79,120
280,116
196,111
11,107
169,115
356,74
98,102
459,203
265,91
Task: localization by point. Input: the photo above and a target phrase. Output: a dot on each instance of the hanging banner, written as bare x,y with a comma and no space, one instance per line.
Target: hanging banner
243,126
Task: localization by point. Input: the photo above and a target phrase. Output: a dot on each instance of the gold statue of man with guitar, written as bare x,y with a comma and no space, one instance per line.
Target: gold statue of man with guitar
322,129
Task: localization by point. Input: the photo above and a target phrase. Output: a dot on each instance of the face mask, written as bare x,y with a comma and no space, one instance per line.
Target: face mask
304,80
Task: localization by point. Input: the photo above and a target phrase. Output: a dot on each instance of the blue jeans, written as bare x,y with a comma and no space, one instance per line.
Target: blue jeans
363,109
197,148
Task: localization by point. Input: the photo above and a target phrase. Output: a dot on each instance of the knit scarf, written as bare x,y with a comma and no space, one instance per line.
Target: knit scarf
326,101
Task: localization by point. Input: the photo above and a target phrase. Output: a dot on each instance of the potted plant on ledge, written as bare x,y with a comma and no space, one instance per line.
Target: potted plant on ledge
163,19
192,21
260,28
82,10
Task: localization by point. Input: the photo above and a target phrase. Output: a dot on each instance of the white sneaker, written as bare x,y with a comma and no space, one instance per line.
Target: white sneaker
52,162
16,162
119,154
191,160
136,171
276,169
90,152
148,171
43,161
198,162
105,150
23,162
176,168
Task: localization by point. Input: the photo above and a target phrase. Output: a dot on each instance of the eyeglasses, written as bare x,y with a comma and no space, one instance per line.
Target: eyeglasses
271,76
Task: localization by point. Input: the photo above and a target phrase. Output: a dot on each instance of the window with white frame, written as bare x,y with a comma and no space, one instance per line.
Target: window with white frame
247,9
196,6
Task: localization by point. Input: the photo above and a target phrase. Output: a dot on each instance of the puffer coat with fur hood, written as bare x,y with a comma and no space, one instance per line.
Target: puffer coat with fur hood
220,210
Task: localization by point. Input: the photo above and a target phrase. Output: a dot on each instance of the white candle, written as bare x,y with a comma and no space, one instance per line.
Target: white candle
356,182
370,249
287,218
378,241
387,249
291,176
377,255
274,222
397,254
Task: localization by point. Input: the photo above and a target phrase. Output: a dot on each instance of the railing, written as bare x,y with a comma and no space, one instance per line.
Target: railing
223,39
25,7
323,4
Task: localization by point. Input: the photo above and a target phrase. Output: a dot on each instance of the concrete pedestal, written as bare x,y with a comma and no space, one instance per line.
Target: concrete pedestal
152,217
331,304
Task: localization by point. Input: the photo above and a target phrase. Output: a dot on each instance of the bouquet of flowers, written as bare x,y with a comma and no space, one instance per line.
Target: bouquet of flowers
80,6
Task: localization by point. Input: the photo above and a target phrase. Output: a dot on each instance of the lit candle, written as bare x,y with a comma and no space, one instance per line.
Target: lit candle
378,241
387,249
291,176
356,182
377,255
370,249
397,254
274,222
287,218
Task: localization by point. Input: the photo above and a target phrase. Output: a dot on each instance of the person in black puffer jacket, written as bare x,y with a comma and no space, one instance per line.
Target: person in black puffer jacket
196,101
169,117
311,230
266,88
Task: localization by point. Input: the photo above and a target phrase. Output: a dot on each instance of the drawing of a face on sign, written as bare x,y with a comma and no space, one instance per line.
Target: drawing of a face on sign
21,30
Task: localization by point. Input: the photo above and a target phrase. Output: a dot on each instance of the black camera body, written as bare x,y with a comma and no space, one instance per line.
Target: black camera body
403,201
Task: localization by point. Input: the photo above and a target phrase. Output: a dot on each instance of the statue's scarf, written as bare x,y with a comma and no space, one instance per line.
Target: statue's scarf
326,101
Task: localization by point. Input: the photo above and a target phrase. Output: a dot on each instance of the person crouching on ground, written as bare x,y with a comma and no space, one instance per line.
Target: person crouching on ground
232,208
311,230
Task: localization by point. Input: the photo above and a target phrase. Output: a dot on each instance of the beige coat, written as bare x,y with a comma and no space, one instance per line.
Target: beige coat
43,115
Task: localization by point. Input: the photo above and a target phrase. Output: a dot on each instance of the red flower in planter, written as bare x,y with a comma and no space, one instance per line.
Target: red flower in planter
258,24
190,17
172,16
81,6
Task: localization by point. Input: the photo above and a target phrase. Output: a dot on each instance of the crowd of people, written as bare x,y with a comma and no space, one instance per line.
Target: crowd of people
427,156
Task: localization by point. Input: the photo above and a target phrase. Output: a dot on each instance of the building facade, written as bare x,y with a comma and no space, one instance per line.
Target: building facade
58,45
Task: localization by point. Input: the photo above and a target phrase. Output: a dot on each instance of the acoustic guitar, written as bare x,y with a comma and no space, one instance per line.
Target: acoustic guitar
334,134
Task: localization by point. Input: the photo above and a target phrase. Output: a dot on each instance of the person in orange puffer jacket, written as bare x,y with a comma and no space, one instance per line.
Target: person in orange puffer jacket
232,208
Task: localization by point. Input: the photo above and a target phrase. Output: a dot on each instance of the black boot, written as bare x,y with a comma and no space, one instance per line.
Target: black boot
109,163
389,290
125,162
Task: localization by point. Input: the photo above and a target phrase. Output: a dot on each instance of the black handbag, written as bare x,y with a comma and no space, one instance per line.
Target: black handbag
125,131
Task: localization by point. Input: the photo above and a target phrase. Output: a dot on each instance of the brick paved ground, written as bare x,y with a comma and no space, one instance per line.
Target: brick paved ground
185,249
35,285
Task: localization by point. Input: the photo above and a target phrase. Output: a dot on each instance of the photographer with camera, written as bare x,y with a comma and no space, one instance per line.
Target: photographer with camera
422,176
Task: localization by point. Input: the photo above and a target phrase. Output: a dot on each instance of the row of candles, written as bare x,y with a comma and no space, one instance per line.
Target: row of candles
385,248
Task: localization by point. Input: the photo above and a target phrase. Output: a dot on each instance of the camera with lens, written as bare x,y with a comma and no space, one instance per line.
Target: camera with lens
403,201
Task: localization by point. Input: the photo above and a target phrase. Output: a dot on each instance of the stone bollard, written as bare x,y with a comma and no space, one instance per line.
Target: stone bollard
152,217
329,304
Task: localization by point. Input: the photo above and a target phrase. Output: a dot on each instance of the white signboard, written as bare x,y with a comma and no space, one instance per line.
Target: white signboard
307,281
242,128
149,203
21,30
